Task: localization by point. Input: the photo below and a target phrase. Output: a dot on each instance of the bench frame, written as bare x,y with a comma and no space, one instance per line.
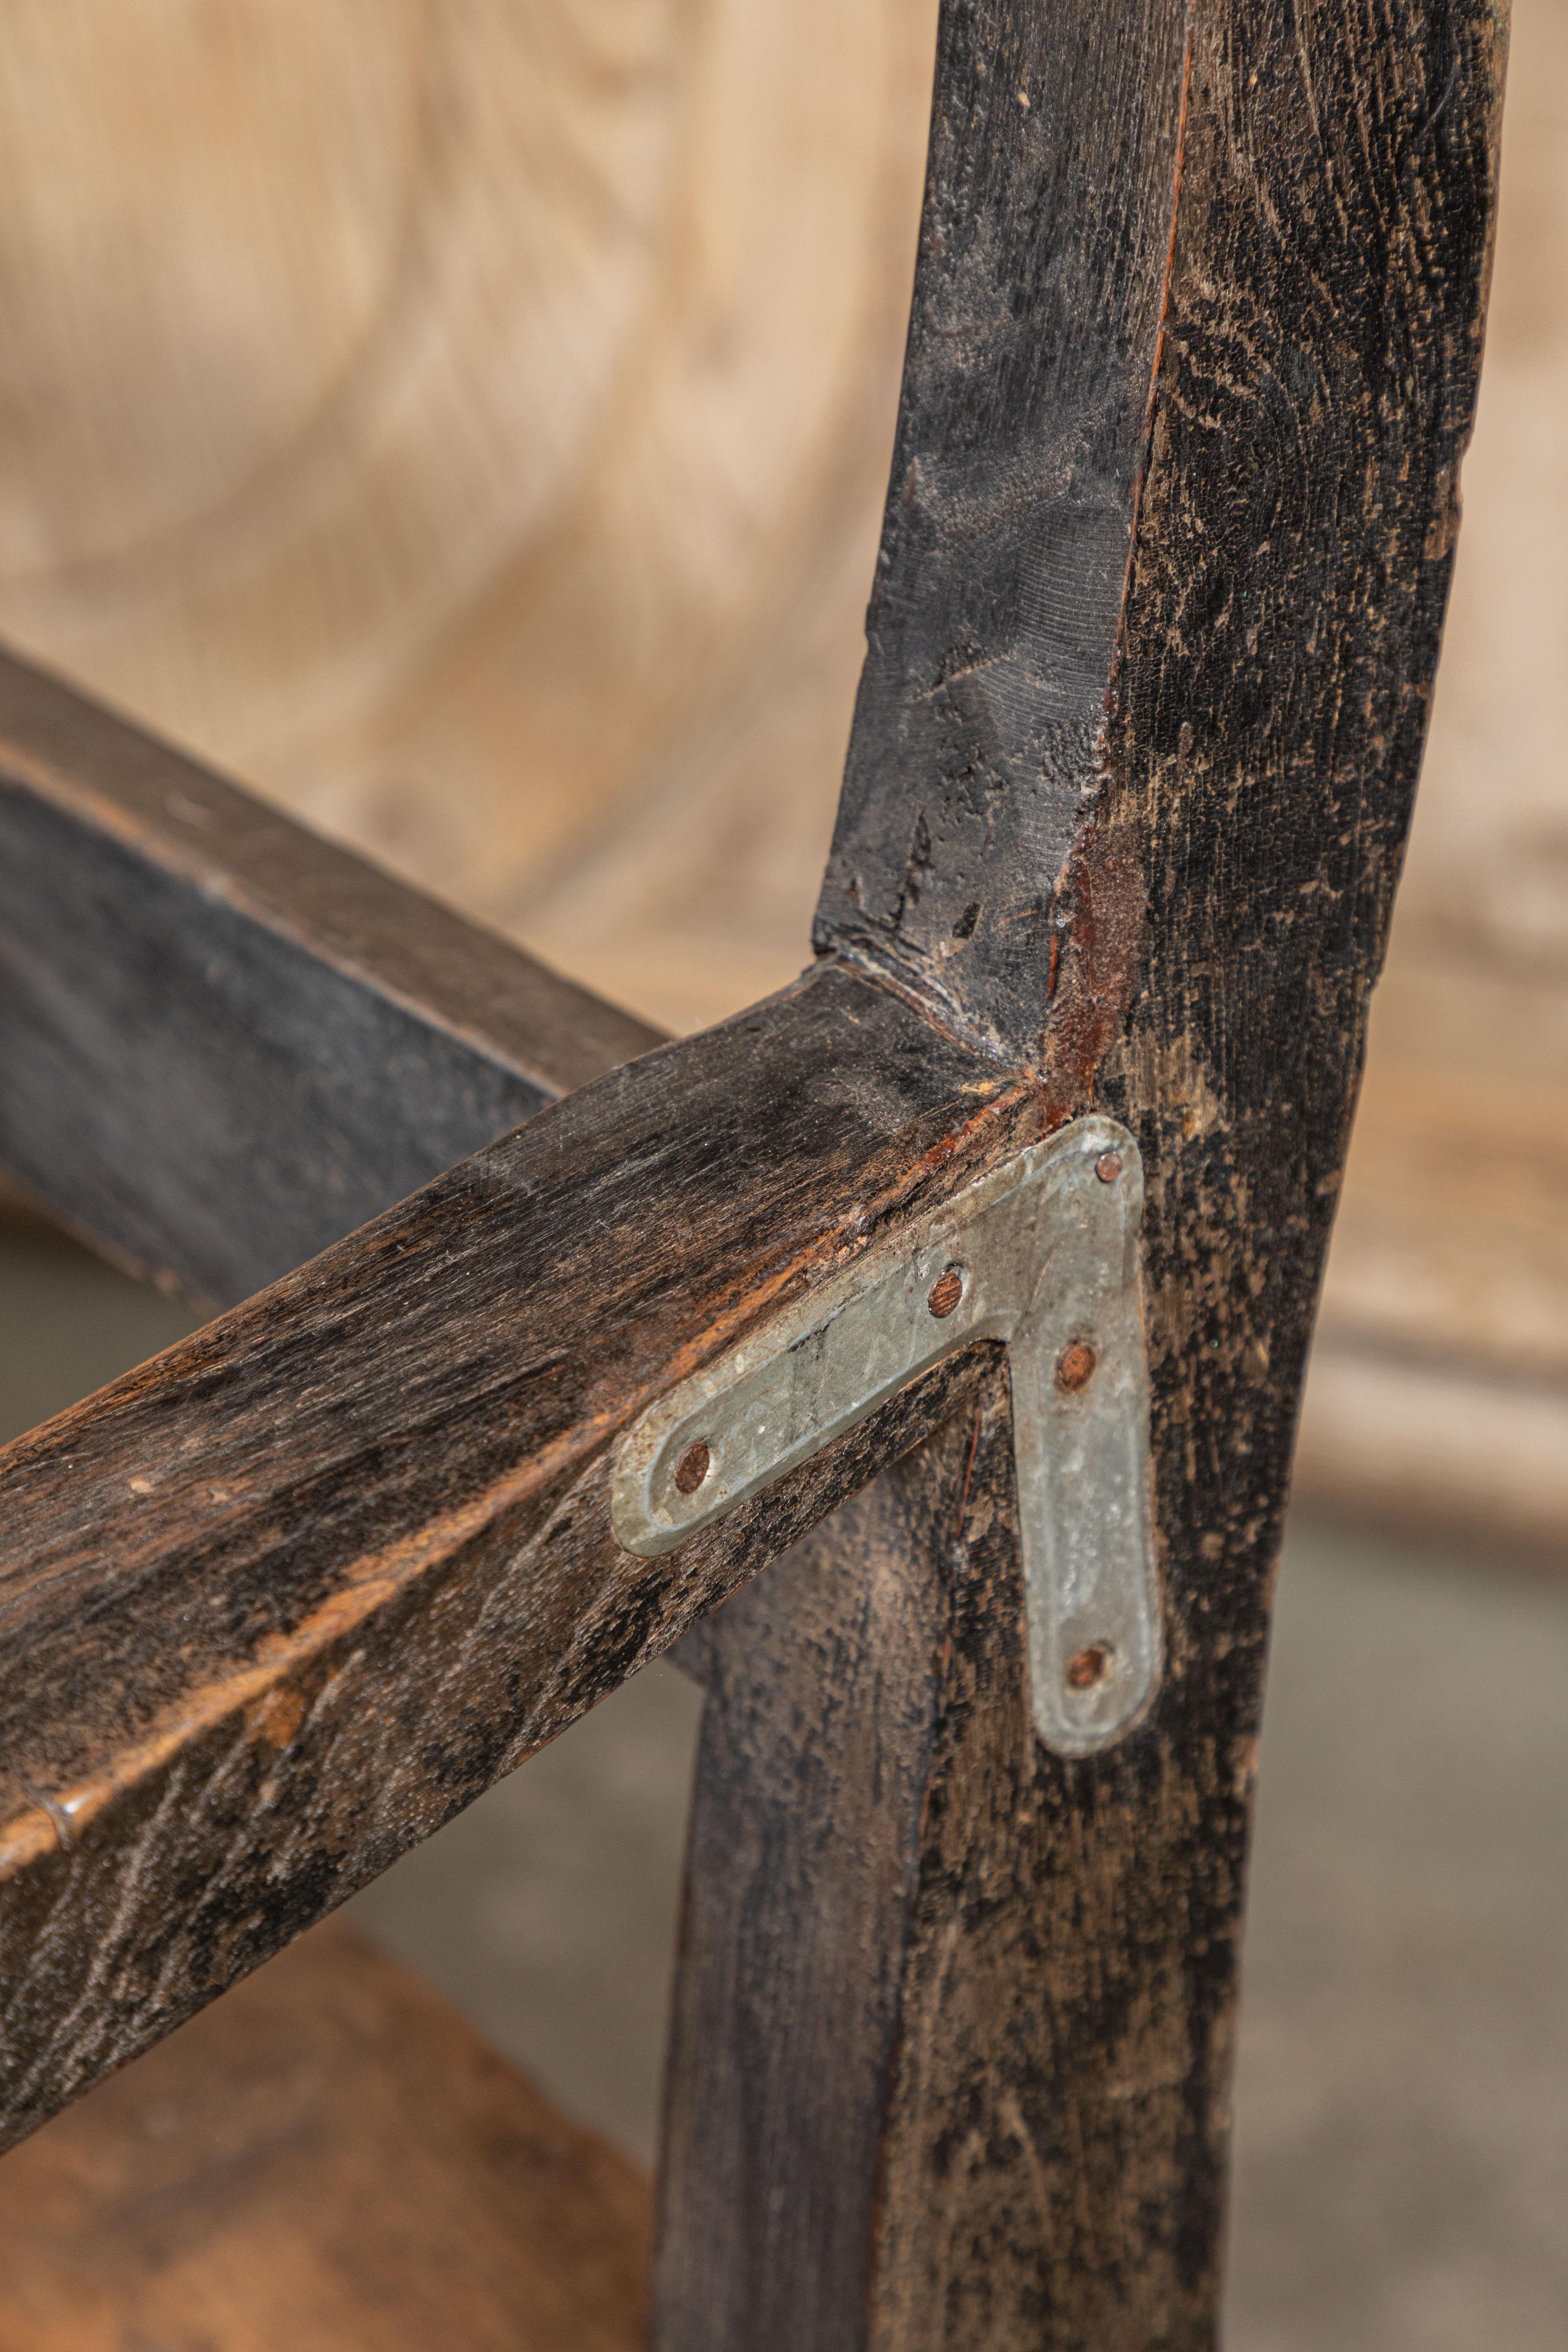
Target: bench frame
1191,366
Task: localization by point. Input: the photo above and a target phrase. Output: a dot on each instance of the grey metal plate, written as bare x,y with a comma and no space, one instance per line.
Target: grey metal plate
1043,1254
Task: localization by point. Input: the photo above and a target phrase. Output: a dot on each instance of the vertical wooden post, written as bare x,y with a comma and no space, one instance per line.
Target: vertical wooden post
803,1860
1192,367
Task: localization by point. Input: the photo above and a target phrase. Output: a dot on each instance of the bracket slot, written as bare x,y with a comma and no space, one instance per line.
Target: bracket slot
1042,1252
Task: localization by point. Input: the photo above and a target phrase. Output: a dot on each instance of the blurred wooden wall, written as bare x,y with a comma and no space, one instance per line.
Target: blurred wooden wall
468,421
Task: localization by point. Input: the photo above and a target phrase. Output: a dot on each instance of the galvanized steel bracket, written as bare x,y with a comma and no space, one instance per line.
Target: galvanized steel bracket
1042,1252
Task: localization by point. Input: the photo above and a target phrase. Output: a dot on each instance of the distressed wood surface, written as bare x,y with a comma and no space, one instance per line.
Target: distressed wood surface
1049,2167
327,2161
1022,429
1175,915
801,1854
1438,1397
1054,2141
985,2117
224,1043
280,1602
625,745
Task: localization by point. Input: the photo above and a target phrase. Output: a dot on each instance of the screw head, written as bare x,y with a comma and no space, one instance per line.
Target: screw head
946,1291
1108,1167
692,1468
1075,1365
1089,1666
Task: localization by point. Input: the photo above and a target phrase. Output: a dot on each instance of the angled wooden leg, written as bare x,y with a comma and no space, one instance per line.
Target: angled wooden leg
803,1859
951,2043
1192,367
1052,2169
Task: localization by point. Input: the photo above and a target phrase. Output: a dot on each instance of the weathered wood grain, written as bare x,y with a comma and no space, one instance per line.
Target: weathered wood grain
949,2049
224,1043
1049,2167
1192,894
1052,2162
1022,429
327,2161
802,1850
277,1604
1437,1400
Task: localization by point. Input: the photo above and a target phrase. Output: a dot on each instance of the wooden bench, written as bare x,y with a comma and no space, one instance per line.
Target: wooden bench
1192,365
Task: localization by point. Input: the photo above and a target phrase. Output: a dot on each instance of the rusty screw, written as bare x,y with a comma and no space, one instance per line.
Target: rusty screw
1108,1167
946,1290
1073,1366
692,1468
1089,1666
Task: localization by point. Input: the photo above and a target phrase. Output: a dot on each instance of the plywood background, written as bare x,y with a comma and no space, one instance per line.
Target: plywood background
468,420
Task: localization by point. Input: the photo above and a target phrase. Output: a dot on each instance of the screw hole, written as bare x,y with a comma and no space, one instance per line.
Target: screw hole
1075,1365
692,1468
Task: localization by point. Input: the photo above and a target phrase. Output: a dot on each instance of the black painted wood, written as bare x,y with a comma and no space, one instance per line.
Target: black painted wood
812,1775
224,1042
1023,431
1187,900
280,1602
1191,369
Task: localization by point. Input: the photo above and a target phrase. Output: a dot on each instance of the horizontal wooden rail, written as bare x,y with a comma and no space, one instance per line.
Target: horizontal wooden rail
277,1604
224,1043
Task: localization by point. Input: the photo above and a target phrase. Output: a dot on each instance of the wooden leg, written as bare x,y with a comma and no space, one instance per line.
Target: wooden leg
950,2054
803,1855
1025,2147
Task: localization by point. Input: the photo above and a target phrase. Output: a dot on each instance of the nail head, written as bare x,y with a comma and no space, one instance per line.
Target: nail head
692,1468
945,1291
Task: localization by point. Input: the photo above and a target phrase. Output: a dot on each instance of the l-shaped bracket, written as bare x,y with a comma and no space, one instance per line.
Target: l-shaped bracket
1041,1252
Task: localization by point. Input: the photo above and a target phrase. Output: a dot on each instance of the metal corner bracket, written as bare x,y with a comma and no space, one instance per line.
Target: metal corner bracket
1041,1252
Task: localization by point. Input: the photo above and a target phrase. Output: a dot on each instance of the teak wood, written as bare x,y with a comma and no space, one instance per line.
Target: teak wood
1191,366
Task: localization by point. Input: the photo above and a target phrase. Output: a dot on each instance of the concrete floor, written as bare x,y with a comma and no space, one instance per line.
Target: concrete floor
1402,2124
